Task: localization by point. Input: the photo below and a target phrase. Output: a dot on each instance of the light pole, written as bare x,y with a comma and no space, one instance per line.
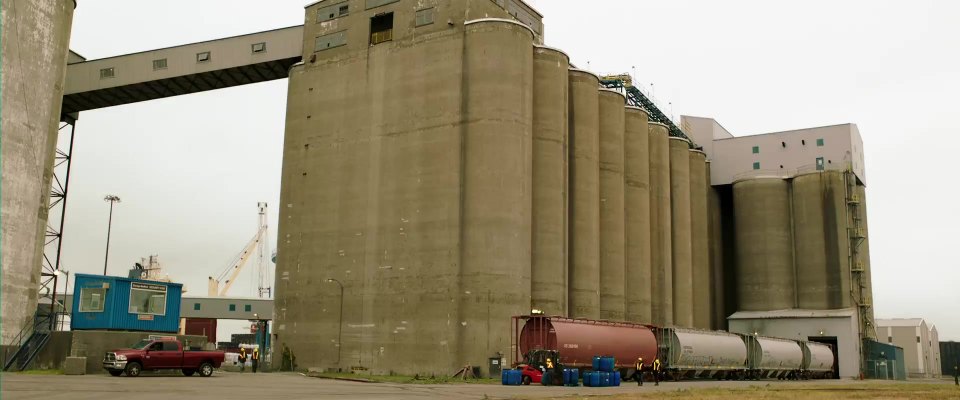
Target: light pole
112,199
340,320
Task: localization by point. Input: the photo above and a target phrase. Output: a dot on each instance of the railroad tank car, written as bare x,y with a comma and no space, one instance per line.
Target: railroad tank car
773,358
691,353
578,340
818,360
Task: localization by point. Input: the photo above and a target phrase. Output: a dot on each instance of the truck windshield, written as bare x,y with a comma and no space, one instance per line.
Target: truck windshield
141,344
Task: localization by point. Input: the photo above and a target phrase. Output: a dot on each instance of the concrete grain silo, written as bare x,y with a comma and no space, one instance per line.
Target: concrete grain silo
584,202
611,205
764,245
681,232
820,240
497,165
661,252
637,278
700,241
550,180
36,35
717,273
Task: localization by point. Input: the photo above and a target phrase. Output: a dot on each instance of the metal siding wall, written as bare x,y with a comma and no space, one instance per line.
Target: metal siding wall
116,315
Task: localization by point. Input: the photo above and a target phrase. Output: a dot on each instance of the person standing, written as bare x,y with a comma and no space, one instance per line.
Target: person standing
656,371
639,372
956,374
242,358
255,359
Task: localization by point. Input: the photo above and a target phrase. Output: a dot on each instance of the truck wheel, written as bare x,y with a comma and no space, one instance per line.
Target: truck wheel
526,380
133,369
115,372
206,369
188,372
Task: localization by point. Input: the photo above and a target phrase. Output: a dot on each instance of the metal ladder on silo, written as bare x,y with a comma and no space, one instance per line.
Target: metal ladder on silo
857,236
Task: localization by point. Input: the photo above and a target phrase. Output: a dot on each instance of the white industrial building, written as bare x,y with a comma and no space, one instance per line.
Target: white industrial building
921,345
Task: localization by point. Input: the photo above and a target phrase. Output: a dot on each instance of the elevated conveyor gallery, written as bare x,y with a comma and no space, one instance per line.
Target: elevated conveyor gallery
173,71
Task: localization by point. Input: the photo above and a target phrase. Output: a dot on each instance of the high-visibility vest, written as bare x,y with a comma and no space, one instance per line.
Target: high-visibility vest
656,365
640,364
549,364
256,354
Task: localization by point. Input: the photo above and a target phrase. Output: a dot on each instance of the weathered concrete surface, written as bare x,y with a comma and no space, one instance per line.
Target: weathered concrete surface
584,250
406,177
764,242
75,366
661,251
497,186
681,233
717,285
700,241
637,278
820,240
611,205
35,36
550,180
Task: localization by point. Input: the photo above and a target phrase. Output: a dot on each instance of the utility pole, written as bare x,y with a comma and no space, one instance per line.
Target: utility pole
111,199
340,332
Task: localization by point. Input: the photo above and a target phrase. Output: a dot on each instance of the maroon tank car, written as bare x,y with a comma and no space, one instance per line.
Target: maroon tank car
577,341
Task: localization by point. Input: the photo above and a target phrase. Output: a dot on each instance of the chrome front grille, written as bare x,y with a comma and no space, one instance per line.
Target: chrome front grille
109,357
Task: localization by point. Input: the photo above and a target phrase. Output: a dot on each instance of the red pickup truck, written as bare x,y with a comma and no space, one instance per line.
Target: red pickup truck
161,354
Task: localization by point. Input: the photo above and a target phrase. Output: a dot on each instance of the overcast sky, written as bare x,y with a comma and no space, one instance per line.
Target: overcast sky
191,169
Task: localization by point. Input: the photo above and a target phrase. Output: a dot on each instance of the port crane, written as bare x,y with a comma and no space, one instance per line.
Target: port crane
219,286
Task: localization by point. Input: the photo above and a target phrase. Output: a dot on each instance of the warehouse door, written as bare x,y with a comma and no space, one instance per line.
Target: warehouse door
832,341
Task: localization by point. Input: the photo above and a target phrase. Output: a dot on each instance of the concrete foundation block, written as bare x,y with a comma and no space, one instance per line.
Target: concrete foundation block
75,366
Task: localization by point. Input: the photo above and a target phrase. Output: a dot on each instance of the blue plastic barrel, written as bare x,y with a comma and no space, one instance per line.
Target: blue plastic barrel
595,379
596,363
505,377
615,379
575,377
517,377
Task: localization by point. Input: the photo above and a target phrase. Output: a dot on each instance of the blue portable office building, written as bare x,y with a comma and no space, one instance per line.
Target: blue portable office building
124,304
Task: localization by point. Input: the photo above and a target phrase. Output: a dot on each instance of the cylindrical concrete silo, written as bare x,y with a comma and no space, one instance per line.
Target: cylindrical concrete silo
764,245
715,225
584,206
700,245
636,176
549,264
611,205
681,233
821,240
661,251
36,35
497,185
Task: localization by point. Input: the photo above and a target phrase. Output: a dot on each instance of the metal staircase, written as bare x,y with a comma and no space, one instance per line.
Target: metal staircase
30,342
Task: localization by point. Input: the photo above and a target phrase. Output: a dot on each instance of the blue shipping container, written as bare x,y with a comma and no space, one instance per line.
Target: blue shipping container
124,304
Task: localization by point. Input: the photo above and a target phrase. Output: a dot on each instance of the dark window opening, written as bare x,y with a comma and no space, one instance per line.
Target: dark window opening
803,142
233,307
246,307
784,144
381,28
196,306
344,10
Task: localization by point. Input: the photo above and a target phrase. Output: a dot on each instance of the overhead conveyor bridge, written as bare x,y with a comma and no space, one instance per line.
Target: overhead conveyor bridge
174,71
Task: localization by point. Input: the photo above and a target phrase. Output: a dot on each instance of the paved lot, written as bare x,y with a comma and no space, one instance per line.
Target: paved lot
287,386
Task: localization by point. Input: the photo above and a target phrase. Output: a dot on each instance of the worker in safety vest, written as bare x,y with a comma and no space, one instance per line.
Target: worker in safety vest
242,358
639,373
255,360
656,371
